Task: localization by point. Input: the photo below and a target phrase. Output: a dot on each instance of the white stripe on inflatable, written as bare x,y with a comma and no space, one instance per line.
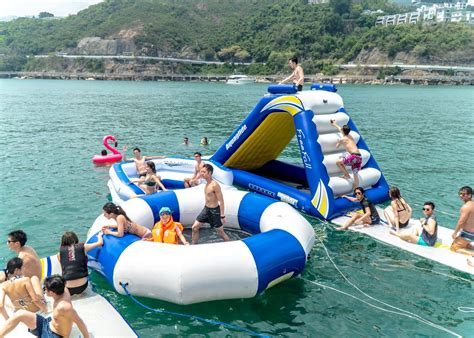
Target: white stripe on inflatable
320,101
367,178
122,189
330,160
323,122
191,202
187,274
139,212
280,215
328,141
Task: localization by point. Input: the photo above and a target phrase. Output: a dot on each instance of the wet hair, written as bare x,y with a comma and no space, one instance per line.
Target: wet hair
103,152
431,204
466,189
55,283
394,193
152,166
111,208
359,189
69,238
186,138
18,236
346,129
12,265
138,149
209,168
293,59
197,153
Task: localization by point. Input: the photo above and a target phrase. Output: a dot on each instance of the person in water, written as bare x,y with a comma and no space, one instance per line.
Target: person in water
73,259
213,212
463,235
204,141
123,224
399,212
24,292
427,235
139,160
186,141
151,181
166,230
298,74
59,324
196,178
16,241
370,215
353,156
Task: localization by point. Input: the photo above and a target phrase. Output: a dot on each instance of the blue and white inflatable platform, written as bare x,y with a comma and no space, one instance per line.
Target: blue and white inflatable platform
278,248
172,170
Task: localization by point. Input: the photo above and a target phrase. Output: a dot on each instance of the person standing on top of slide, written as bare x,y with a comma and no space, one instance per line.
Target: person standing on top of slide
297,76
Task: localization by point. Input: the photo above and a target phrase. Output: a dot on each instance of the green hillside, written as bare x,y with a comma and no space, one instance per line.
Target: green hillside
263,31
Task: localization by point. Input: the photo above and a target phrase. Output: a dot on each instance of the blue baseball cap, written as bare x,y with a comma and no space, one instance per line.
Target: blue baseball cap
165,210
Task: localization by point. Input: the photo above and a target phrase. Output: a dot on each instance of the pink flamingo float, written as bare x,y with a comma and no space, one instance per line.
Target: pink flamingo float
111,158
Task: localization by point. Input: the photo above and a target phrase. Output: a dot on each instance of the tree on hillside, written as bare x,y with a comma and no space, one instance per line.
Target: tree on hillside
340,6
45,15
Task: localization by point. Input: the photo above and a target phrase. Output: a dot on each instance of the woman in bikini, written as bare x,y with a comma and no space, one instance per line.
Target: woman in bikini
24,292
123,224
398,213
151,181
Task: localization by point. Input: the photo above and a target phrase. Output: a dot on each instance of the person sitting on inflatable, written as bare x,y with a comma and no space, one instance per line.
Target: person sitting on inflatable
151,182
166,230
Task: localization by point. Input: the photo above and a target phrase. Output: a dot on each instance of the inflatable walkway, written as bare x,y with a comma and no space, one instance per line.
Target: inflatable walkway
315,186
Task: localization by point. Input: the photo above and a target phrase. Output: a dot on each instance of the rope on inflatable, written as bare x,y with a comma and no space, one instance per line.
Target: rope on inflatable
205,320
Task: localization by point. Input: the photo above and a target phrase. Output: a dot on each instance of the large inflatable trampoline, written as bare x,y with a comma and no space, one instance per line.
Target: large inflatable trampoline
279,245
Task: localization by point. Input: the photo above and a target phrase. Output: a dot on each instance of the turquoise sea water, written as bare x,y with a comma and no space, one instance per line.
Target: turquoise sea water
421,137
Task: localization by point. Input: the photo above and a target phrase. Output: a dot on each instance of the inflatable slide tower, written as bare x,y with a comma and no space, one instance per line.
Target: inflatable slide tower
315,186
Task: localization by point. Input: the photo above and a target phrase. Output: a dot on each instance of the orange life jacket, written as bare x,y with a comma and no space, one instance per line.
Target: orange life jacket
166,233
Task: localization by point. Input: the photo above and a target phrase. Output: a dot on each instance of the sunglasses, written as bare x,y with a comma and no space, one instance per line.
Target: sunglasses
358,193
164,213
426,209
8,241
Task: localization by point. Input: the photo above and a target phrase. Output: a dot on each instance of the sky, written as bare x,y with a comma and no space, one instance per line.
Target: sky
34,7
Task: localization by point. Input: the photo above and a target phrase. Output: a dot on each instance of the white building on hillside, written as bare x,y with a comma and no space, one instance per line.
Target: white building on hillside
441,12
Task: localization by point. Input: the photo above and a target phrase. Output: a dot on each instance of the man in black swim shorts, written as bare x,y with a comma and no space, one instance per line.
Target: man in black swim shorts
213,212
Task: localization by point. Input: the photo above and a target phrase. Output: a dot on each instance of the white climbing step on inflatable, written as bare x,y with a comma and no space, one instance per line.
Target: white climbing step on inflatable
439,253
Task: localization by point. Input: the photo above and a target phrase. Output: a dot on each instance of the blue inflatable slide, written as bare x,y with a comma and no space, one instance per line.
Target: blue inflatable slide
314,186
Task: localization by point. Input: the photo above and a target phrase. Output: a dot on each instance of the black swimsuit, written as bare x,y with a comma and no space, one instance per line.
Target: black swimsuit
400,224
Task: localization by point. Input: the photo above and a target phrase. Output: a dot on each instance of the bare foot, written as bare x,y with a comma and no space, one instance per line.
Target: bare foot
394,233
470,261
341,228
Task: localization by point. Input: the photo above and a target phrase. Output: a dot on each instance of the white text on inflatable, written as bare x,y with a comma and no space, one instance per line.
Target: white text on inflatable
236,137
261,190
306,159
287,199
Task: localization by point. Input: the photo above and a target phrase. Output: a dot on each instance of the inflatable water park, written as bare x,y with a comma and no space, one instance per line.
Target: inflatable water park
265,198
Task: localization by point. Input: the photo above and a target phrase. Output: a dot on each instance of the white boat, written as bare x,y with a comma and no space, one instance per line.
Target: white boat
99,315
439,253
240,79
